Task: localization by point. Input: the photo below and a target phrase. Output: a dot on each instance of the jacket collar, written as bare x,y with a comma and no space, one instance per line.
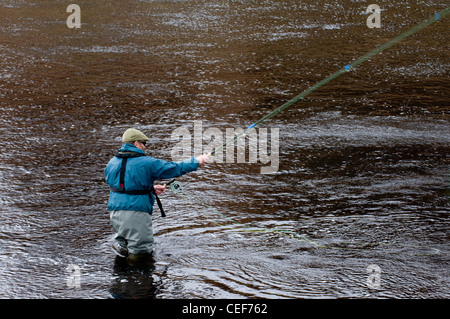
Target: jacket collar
127,147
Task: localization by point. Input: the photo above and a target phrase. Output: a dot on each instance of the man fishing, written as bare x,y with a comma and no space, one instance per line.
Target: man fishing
130,174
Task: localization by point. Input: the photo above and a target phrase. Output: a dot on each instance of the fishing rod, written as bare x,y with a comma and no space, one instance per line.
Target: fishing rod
170,182
176,187
346,68
436,17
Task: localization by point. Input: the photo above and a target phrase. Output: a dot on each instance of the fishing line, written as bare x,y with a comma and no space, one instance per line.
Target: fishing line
195,202
346,68
177,188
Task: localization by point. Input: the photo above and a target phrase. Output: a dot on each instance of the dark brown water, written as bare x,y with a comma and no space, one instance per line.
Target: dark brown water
364,164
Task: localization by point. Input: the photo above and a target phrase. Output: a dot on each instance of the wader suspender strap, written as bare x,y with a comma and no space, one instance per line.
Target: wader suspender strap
122,189
163,214
122,174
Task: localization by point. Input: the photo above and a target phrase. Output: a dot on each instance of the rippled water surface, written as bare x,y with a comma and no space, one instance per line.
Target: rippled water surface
363,171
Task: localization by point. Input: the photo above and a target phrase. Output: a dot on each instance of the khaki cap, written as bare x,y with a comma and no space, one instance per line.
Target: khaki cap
132,135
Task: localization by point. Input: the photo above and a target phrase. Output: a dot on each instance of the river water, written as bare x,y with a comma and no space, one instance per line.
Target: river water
363,170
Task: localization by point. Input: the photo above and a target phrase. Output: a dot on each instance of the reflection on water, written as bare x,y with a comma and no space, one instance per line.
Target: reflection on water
363,176
133,281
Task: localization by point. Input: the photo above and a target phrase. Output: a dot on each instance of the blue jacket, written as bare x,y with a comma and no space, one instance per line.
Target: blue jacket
141,172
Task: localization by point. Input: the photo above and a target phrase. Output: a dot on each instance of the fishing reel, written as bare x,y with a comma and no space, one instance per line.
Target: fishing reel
176,187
